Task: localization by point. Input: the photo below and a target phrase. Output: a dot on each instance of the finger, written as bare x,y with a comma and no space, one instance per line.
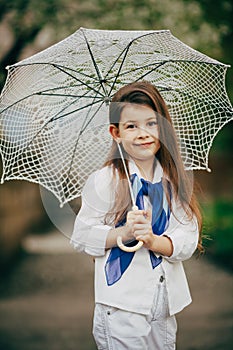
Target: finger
141,226
139,233
142,238
149,214
137,212
140,219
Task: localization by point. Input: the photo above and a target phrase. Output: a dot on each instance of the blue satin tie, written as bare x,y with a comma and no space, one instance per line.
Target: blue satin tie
119,260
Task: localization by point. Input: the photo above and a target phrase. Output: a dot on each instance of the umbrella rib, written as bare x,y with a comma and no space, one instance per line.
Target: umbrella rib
101,80
76,143
127,48
88,86
62,87
85,125
46,92
118,73
18,101
56,115
34,94
75,71
55,65
146,66
168,61
63,95
144,75
76,110
44,125
116,60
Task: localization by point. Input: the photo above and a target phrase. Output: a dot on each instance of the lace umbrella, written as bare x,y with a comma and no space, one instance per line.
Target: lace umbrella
54,106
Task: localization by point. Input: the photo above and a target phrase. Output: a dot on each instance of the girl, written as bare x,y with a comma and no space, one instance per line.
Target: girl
138,293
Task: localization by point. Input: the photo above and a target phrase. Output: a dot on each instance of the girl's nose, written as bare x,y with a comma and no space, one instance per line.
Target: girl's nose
142,132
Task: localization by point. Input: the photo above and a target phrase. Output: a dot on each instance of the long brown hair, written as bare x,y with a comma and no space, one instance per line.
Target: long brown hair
144,93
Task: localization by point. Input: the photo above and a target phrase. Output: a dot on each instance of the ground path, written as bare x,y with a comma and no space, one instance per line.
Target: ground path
46,301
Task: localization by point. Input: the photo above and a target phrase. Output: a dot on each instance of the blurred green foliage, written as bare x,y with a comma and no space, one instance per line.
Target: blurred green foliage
21,22
218,230
223,142
219,14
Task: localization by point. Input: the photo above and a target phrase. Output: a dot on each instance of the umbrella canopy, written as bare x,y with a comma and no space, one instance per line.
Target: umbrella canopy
54,106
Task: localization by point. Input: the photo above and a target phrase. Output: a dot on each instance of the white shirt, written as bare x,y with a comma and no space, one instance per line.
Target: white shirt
135,290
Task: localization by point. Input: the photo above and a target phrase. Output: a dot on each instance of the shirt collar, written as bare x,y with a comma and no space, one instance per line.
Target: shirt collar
158,172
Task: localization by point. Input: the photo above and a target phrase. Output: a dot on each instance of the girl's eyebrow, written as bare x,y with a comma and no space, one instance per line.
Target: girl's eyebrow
135,121
129,121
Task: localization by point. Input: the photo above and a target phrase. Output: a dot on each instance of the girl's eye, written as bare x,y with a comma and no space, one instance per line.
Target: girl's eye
153,123
130,126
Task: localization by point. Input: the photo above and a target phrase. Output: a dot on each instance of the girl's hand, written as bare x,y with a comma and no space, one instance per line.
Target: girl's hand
142,229
140,223
133,215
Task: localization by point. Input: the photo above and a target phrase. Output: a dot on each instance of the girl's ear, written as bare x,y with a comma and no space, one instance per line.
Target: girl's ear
114,131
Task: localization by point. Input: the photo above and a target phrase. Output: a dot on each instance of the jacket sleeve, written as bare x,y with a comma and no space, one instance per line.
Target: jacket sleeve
90,231
183,232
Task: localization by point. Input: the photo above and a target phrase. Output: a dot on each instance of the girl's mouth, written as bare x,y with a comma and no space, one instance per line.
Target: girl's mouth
145,144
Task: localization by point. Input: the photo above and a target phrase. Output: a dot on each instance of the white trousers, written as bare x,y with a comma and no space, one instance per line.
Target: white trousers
116,329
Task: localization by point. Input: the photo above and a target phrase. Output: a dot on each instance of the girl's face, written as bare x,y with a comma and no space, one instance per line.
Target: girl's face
138,132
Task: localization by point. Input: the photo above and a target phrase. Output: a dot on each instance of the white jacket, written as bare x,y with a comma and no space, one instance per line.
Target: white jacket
135,290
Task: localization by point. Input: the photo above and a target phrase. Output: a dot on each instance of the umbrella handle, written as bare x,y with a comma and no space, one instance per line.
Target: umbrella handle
124,247
128,249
